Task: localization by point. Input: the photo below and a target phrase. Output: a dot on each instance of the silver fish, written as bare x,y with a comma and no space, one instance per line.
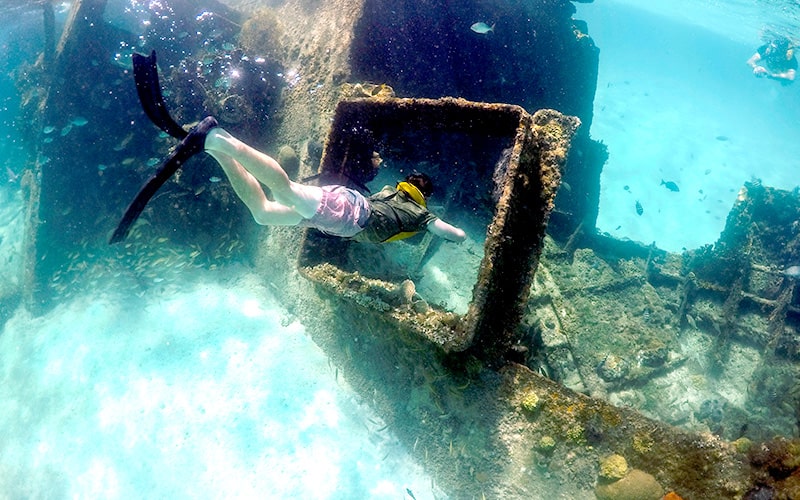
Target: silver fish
481,28
792,272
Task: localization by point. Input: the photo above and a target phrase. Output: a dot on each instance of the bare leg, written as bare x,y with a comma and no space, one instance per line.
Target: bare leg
247,187
302,199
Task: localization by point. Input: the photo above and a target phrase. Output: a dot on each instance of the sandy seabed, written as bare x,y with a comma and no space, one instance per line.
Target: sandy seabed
203,389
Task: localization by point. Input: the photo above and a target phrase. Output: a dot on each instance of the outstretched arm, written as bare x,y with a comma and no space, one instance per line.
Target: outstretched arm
753,61
787,75
446,231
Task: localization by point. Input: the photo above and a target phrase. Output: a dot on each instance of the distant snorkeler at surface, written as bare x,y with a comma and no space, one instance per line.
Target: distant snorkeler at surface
775,60
391,214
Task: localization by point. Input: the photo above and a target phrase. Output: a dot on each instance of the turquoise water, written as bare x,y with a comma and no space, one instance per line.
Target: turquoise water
113,387
205,388
676,102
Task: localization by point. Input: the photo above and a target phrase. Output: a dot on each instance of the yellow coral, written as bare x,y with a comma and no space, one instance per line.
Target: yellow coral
546,444
613,467
529,401
642,442
575,433
742,445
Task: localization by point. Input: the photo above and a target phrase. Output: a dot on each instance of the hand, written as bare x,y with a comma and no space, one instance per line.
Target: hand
760,71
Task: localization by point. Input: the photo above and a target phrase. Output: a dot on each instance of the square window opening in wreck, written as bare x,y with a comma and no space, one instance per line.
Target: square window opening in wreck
463,150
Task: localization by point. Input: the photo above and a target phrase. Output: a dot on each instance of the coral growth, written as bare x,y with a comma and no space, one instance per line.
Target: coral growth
546,444
742,445
613,467
261,35
289,160
636,485
642,442
779,464
779,457
529,401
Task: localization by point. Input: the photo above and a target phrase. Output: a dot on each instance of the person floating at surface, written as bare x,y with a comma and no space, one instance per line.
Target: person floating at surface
391,214
775,60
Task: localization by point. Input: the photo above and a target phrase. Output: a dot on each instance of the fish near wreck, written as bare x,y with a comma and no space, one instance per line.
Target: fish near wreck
670,185
792,272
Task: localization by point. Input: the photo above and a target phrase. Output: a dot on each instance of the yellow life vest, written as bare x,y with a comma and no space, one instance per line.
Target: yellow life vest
413,191
416,195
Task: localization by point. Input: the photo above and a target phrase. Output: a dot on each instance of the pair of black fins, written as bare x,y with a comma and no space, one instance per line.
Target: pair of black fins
145,73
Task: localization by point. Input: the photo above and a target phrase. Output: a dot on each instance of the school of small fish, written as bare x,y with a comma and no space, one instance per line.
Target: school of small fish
143,260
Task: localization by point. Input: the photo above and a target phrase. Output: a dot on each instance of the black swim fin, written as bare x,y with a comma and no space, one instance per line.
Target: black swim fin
192,144
164,172
145,73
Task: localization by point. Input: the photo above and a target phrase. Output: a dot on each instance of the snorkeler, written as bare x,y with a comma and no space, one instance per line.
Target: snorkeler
391,214
775,60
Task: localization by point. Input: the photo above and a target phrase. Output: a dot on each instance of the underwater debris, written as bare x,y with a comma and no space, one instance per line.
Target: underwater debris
354,91
613,368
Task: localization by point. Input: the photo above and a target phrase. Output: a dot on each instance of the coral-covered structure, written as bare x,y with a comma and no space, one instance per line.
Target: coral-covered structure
536,147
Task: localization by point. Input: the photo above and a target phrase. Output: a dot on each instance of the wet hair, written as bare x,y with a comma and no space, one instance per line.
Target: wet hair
422,182
360,145
781,44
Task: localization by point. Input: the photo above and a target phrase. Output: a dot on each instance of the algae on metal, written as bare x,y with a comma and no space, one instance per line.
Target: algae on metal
385,298
694,465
